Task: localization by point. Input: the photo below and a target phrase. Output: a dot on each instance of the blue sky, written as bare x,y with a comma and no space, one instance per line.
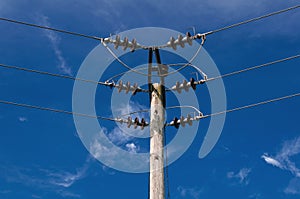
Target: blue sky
258,154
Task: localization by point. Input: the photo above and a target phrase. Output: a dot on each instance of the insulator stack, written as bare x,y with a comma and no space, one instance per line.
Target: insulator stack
125,43
143,123
189,120
175,123
185,85
135,89
183,121
134,122
127,87
181,41
129,122
193,85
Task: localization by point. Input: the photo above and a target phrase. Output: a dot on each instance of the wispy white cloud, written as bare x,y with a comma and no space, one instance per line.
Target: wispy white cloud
108,170
129,134
68,194
283,160
272,161
116,156
255,196
36,196
54,39
187,192
241,175
131,147
99,150
67,179
132,107
121,134
23,119
293,187
119,137
45,179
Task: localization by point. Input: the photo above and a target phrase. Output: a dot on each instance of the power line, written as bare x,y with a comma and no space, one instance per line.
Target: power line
127,121
179,87
118,120
48,73
177,122
253,19
197,36
109,84
188,38
252,105
54,110
50,28
255,67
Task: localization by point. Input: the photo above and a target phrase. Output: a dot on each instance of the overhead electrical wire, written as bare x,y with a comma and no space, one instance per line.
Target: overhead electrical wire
252,105
142,90
117,120
49,28
253,19
136,71
49,74
255,67
238,72
55,110
100,39
109,84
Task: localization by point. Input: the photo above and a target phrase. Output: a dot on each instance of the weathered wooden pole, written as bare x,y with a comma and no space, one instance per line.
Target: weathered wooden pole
157,188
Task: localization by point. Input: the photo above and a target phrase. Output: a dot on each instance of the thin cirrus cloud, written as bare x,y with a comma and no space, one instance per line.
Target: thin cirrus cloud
121,135
241,175
188,192
45,180
283,160
131,147
272,161
293,187
67,179
54,40
23,119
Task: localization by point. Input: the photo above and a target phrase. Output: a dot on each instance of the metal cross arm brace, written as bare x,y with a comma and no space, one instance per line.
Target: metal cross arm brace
129,121
127,87
183,121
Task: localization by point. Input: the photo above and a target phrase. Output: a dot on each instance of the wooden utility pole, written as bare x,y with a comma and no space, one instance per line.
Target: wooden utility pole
157,189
